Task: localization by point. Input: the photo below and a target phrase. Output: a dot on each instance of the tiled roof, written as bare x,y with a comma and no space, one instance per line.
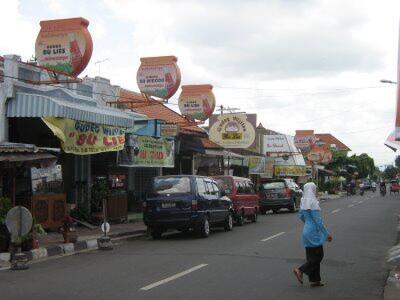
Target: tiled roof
155,110
300,133
207,144
330,139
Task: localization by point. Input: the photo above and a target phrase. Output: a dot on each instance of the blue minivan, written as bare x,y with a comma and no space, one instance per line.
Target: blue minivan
185,202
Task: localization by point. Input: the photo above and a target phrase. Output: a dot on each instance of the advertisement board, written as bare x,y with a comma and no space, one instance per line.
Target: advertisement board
169,130
256,164
84,138
159,76
283,149
233,130
197,101
305,140
147,151
284,171
320,154
64,45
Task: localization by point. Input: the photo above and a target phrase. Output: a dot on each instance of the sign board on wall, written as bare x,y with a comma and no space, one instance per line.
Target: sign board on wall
84,138
159,76
64,45
147,151
169,130
233,130
197,101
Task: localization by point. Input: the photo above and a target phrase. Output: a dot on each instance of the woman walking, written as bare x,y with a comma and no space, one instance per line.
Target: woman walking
314,236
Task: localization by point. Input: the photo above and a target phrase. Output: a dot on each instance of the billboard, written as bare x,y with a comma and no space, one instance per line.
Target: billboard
197,101
233,130
304,140
64,45
159,76
147,151
283,149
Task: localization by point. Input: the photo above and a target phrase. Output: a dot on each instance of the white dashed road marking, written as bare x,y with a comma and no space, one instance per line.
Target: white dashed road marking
176,276
351,205
335,211
272,237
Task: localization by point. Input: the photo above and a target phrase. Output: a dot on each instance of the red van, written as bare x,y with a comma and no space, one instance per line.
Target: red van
244,198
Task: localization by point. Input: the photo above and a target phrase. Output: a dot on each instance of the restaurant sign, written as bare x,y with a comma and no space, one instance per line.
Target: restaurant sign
159,76
64,45
197,101
147,151
169,130
84,138
233,130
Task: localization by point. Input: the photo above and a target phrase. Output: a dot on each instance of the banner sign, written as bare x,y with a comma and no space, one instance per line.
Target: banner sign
256,164
320,154
233,130
64,45
284,171
169,130
84,138
197,101
159,76
305,140
283,149
147,151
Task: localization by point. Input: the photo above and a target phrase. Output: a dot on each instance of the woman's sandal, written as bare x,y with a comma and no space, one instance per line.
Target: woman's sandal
299,275
316,284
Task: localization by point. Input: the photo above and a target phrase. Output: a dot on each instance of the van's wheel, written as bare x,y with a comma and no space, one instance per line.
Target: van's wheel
275,211
156,233
228,224
254,217
204,228
240,219
293,207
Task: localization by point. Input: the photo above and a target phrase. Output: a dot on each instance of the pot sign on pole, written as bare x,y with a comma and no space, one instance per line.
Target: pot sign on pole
197,101
159,76
64,45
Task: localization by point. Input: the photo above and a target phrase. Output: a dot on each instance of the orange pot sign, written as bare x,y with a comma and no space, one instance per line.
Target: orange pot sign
64,45
197,101
159,76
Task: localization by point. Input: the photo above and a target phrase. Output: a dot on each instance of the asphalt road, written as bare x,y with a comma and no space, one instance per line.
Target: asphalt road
254,261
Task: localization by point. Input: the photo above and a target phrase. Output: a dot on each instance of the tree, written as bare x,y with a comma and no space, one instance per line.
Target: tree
390,172
363,164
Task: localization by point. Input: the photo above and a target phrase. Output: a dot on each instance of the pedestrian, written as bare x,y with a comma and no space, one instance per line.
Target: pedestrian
314,236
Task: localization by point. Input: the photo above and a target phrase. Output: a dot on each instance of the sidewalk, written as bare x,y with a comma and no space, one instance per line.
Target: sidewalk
52,244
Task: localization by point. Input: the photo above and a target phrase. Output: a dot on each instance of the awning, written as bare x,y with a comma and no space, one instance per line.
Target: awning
33,105
17,157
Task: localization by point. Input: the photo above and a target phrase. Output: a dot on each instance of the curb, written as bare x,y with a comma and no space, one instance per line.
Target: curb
392,287
68,249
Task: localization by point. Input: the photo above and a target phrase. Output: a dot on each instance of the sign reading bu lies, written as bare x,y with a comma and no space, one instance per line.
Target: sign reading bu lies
159,76
64,45
233,130
197,101
84,138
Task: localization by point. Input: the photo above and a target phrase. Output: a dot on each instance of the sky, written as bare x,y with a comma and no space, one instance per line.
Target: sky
297,64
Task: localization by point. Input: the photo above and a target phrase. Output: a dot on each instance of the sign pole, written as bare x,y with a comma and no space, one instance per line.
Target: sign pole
104,242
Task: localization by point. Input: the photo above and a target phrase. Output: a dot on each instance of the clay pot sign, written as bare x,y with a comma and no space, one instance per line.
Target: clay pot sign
64,45
159,76
197,101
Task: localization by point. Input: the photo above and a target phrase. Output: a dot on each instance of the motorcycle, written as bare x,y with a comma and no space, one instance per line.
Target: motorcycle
350,190
361,191
383,191
373,189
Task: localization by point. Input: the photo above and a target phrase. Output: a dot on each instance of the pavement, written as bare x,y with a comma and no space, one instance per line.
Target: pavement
254,261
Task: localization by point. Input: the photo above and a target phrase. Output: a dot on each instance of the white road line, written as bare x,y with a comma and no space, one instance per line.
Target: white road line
335,211
176,276
272,237
359,202
351,205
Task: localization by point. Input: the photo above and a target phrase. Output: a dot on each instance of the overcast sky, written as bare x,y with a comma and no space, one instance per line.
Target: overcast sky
298,64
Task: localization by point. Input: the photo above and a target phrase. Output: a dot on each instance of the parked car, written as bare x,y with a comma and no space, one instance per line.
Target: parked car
394,187
185,202
276,194
245,200
293,186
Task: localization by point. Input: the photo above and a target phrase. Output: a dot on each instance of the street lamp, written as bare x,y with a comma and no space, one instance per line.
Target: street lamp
388,81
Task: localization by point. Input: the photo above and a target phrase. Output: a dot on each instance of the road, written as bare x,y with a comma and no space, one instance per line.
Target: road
254,261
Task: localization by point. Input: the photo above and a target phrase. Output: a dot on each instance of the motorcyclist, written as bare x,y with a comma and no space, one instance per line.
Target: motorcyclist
382,187
373,186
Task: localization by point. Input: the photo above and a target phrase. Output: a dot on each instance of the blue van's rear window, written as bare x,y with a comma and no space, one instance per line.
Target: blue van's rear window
171,185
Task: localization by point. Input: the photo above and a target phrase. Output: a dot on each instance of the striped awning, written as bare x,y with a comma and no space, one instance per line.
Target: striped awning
32,105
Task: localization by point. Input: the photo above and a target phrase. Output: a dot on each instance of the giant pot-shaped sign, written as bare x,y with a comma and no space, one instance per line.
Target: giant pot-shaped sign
64,45
159,76
197,101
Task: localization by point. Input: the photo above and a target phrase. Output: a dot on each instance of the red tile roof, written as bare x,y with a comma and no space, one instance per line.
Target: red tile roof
331,140
207,144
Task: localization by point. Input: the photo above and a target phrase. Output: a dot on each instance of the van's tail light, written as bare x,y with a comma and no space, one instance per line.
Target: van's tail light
194,204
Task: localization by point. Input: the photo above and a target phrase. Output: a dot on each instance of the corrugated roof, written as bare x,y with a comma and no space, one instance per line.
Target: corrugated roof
31,105
331,140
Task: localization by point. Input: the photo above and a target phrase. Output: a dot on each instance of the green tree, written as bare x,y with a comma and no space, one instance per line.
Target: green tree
390,172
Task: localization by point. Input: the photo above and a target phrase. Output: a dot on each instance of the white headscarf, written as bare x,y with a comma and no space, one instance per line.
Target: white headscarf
309,199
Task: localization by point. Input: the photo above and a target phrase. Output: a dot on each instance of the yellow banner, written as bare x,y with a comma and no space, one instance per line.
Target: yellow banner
282,171
84,138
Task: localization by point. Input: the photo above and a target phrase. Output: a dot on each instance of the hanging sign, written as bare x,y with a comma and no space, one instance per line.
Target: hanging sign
233,130
64,45
197,101
147,151
320,154
159,76
169,130
84,138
